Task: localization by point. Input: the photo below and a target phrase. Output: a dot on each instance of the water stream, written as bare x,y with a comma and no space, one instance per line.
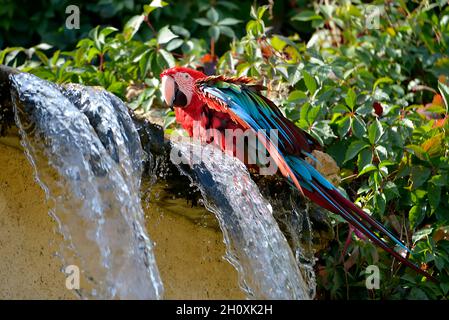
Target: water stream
255,245
86,156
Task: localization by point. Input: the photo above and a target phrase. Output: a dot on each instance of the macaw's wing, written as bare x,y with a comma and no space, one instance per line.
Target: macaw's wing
241,99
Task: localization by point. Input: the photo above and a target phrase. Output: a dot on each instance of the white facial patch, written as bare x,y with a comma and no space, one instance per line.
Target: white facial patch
185,84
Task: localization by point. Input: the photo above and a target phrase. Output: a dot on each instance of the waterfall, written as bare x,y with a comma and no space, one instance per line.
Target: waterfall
255,245
87,157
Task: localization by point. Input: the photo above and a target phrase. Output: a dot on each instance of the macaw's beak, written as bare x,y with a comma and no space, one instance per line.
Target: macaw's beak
168,87
171,93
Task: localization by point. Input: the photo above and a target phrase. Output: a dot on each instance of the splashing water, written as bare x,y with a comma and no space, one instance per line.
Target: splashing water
87,157
255,245
293,217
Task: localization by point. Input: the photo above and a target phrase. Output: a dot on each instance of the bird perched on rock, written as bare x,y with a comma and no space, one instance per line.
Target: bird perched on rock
210,107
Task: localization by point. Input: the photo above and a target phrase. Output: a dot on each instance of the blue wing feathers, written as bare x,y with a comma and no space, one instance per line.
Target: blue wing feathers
240,98
255,111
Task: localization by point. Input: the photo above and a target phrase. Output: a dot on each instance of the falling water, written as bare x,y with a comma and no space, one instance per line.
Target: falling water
255,245
87,157
293,216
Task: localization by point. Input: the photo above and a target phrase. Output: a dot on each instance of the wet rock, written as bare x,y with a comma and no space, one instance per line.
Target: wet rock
6,109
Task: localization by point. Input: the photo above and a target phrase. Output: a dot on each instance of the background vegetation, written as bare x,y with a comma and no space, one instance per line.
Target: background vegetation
368,80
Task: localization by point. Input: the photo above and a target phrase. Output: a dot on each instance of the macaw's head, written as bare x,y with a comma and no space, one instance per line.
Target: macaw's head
178,86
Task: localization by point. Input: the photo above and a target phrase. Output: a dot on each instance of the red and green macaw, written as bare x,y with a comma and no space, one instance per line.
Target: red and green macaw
220,103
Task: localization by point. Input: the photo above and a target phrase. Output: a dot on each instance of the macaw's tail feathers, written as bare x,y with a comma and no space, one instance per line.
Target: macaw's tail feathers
322,192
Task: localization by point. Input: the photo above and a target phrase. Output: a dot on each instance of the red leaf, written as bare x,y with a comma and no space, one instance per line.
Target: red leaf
378,108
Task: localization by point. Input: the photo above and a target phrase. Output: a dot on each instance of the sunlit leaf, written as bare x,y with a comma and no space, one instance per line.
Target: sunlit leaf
375,131
416,215
148,8
444,89
350,99
165,35
307,16
310,82
229,22
132,26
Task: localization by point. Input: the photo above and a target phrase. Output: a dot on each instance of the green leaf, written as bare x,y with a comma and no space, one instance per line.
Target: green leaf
212,15
146,105
444,287
94,35
375,131
391,187
43,46
261,11
306,16
174,44
416,215
368,168
387,163
417,151
439,263
444,89
382,80
344,125
145,63
381,152
418,294
358,127
168,57
229,22
439,180
254,28
148,8
55,58
183,32
165,35
105,32
42,57
421,234
364,158
296,96
132,26
310,82
380,202
203,22
214,32
117,88
354,148
294,76
350,99
419,175
313,114
253,12
434,195
227,31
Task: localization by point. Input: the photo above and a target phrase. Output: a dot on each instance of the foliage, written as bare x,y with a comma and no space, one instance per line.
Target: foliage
370,83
